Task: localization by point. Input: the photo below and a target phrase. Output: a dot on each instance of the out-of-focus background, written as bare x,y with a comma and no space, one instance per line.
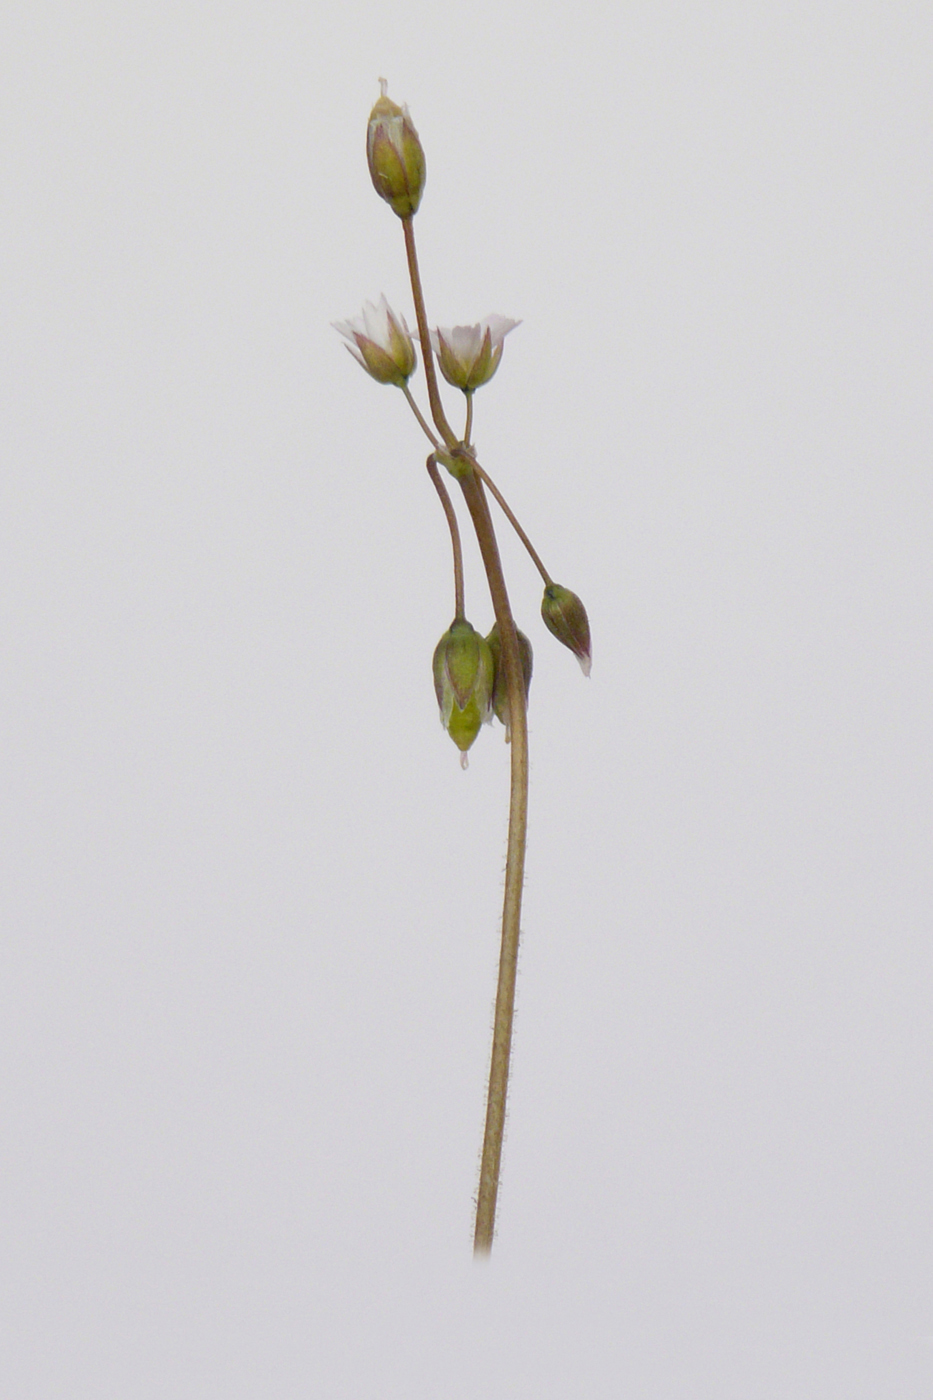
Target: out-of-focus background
250,903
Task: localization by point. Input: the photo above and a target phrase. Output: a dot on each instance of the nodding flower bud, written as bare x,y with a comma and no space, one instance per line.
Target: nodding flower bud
463,681
395,155
565,616
500,691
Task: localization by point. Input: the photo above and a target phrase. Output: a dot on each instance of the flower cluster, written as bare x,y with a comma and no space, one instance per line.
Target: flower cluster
470,673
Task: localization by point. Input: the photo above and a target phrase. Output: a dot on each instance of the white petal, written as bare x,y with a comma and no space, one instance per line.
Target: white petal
349,328
377,322
498,327
466,342
463,343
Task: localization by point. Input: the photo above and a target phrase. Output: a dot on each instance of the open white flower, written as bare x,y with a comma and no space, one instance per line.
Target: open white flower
381,342
469,355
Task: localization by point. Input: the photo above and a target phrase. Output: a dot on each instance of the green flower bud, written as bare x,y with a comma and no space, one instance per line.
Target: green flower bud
395,155
500,693
565,616
463,681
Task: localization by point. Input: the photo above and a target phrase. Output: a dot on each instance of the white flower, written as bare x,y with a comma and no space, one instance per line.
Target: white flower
381,342
469,355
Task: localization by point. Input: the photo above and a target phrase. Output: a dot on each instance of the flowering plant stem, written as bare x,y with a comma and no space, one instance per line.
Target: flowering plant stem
478,507
434,398
468,427
419,415
513,521
475,678
446,502
469,473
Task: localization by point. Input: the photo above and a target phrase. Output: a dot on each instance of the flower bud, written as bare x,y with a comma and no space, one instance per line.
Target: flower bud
500,691
381,342
463,681
469,355
565,616
395,155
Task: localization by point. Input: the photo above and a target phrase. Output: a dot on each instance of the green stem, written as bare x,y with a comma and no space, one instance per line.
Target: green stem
478,507
469,417
447,503
506,511
427,355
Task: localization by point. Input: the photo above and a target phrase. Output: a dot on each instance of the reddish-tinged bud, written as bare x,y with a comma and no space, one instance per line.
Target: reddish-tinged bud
500,692
565,616
395,155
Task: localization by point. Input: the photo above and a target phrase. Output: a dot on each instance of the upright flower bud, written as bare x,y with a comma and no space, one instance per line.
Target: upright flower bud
500,692
395,155
463,681
565,616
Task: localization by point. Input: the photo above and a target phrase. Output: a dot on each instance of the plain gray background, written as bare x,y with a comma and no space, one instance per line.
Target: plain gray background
249,901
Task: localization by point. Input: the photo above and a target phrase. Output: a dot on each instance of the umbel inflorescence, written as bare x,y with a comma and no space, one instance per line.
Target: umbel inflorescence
476,678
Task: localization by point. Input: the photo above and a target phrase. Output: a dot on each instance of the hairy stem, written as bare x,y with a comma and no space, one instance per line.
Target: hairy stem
478,507
467,472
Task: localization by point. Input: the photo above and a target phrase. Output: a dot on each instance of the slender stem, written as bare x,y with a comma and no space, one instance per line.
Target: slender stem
472,486
469,417
427,355
447,503
478,507
419,415
507,512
